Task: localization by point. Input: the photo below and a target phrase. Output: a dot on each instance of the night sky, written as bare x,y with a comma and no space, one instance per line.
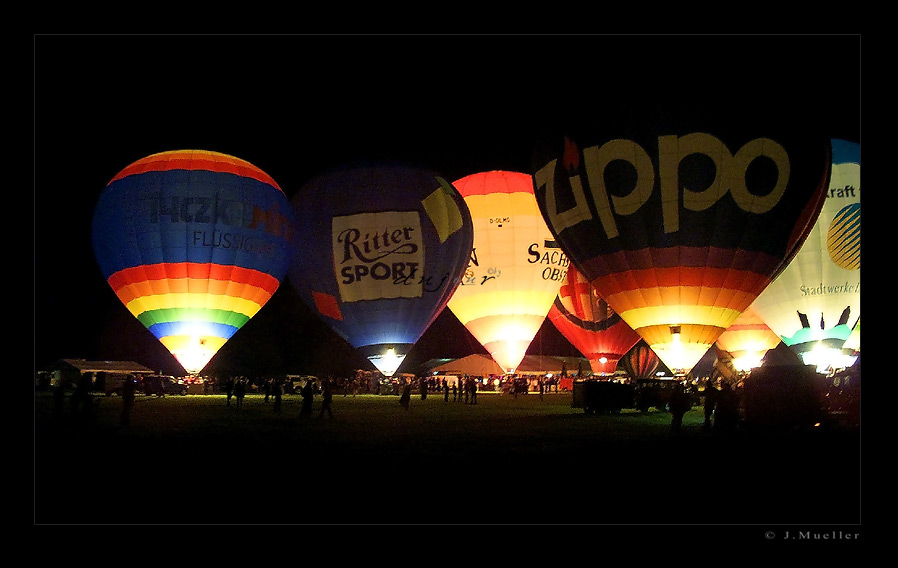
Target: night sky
297,105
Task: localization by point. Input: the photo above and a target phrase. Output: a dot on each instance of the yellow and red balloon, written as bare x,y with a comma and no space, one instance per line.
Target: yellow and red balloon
515,270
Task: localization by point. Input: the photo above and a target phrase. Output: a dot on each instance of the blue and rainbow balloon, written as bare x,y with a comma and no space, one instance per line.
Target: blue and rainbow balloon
193,243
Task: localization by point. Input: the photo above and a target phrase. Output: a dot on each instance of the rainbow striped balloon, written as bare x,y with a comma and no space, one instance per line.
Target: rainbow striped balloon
193,243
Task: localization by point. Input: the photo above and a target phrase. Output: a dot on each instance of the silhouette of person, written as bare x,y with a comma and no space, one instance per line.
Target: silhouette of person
127,399
423,388
239,392
305,410
229,389
711,393
680,402
326,398
726,415
406,396
276,391
445,390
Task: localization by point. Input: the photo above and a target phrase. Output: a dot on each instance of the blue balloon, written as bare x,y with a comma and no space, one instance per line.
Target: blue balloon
378,251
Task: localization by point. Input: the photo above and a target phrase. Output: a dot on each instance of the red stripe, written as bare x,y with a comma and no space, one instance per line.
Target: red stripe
166,271
196,160
494,182
675,257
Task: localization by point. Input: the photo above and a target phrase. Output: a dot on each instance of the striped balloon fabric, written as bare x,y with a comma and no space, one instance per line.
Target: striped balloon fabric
193,243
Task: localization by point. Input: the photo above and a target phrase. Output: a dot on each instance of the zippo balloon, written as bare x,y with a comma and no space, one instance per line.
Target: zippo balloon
379,250
194,243
679,221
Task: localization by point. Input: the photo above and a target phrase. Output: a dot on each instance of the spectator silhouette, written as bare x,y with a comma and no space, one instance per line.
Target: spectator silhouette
229,389
726,415
680,403
277,391
406,396
307,395
239,392
326,398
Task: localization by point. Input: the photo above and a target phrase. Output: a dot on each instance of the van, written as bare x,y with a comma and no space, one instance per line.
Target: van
161,385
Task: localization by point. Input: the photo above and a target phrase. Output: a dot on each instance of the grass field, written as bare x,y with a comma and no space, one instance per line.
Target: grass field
505,460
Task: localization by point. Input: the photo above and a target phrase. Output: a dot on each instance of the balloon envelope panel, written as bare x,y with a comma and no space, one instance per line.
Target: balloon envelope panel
194,243
516,267
379,249
680,224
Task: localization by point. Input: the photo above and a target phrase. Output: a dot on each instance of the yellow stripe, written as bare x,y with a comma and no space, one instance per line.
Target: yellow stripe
502,205
467,307
680,315
179,343
210,301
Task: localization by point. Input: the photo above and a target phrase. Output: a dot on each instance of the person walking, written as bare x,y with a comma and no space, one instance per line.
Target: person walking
445,390
326,398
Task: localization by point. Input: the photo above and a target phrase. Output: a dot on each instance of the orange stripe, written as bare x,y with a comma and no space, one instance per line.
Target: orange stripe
196,160
193,271
713,278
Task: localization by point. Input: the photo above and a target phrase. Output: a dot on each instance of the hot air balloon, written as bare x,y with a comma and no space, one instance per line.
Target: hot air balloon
747,340
515,269
680,223
815,303
379,250
640,362
194,243
589,324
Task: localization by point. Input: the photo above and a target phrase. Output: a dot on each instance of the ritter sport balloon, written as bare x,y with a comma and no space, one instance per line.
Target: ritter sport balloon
590,325
815,303
680,220
379,249
194,243
516,268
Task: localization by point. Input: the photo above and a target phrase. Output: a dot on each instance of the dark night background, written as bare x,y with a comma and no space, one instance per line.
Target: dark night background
296,105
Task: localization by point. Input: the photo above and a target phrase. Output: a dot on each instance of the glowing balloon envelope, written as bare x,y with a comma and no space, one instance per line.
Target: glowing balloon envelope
379,250
814,304
681,229
586,320
516,268
194,243
747,340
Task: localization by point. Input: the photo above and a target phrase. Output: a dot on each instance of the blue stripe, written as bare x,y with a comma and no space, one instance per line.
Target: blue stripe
167,329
